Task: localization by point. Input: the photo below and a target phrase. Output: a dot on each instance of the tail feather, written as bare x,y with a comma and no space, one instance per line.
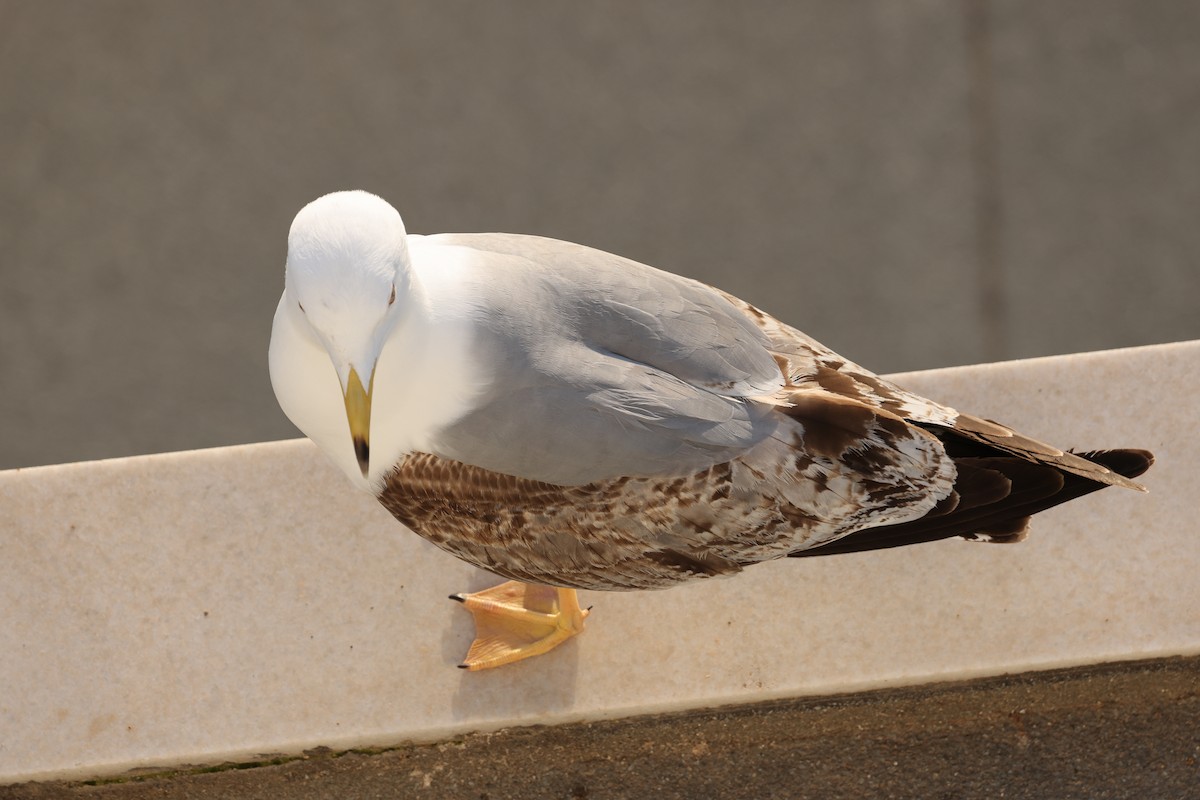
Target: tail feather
995,436
985,512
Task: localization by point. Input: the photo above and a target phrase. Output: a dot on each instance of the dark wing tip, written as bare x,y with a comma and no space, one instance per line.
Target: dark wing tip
1128,463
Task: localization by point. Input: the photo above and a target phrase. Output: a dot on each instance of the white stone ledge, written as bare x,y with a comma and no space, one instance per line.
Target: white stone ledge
219,604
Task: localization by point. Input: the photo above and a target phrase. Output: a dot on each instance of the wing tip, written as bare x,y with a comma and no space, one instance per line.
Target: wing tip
1122,466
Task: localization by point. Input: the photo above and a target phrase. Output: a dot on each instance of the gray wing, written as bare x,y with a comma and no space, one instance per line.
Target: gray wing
605,368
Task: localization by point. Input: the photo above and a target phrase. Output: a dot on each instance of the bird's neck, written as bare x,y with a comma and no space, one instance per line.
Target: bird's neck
426,378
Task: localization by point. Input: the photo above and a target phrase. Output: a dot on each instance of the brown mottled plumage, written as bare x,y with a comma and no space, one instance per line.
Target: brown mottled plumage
828,486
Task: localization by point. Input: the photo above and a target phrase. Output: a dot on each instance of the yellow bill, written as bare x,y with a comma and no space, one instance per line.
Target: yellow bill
358,413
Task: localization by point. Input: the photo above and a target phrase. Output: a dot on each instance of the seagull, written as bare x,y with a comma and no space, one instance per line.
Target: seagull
570,419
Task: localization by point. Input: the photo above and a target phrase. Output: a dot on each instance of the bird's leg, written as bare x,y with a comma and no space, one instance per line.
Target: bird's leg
514,621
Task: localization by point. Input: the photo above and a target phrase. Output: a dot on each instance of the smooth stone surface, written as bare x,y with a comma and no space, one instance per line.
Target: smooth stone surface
202,606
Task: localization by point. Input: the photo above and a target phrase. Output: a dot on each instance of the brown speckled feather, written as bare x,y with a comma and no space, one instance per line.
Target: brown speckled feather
834,466
806,361
854,462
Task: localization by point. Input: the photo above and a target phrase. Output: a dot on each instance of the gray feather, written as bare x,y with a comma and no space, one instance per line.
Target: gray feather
601,367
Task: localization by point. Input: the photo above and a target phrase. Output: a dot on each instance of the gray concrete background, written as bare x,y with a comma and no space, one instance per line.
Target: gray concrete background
918,184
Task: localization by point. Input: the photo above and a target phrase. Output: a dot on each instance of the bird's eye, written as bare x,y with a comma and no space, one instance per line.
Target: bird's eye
392,296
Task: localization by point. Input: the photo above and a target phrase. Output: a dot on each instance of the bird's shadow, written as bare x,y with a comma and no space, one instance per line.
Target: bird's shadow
523,690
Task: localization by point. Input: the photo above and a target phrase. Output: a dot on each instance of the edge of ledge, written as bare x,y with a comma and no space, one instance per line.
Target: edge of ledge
244,600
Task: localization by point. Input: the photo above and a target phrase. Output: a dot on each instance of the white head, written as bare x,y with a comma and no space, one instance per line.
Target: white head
347,265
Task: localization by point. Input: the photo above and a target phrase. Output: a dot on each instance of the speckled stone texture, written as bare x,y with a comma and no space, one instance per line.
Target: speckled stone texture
210,605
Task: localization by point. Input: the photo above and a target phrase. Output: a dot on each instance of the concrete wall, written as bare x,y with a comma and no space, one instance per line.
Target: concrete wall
918,184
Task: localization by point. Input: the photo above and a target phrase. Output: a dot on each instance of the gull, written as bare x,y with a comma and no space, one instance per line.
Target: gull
570,419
